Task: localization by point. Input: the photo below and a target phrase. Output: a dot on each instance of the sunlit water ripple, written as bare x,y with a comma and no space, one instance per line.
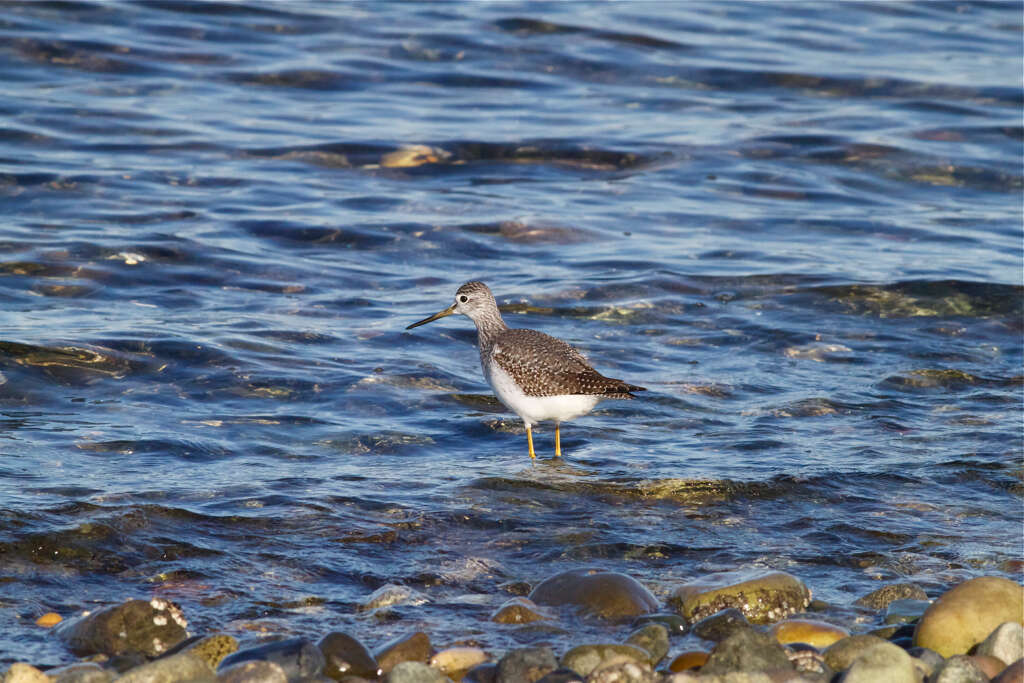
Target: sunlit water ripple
798,225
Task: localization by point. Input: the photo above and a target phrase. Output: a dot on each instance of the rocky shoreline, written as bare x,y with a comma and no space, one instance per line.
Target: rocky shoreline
760,627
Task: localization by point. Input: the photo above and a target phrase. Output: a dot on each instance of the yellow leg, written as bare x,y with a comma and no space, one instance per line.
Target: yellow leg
529,440
558,441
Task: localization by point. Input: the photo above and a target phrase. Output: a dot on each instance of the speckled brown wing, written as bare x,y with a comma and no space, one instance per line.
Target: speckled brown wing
544,366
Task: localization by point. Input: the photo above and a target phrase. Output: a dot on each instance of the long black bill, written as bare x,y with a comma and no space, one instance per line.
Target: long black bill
440,314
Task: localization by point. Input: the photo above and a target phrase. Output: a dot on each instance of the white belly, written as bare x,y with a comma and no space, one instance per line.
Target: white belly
535,409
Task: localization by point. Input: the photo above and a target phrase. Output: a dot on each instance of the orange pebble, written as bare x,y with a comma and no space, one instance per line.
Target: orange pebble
49,619
688,660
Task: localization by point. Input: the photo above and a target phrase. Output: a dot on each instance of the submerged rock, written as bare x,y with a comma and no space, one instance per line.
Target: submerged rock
762,597
517,611
148,628
880,599
965,615
608,595
297,657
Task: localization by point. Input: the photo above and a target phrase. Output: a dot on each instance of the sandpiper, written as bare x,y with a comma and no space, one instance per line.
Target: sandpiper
535,375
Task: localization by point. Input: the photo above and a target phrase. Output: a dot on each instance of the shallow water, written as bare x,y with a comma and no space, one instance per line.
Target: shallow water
799,226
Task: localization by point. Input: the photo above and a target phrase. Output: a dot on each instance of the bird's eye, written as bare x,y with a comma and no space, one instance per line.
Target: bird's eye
463,298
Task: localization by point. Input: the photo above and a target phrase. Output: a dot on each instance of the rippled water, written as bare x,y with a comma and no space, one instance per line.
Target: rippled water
798,225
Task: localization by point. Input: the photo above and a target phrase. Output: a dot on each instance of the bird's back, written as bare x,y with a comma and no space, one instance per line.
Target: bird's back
545,366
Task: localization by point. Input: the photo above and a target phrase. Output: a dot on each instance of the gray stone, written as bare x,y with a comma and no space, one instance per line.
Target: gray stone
561,676
653,638
745,651
958,669
344,655
178,668
82,672
624,672
410,647
720,625
883,663
585,658
297,657
253,671
525,665
1006,642
146,627
414,672
926,661
880,599
840,654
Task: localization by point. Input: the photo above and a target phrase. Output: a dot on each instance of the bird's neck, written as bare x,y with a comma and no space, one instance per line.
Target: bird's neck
488,327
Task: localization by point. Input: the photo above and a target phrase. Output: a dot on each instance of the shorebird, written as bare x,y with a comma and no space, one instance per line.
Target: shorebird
535,375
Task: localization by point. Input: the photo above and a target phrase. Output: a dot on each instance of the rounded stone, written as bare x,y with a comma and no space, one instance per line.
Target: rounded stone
456,661
882,663
608,595
692,659
965,615
345,655
517,611
525,665
180,667
652,638
298,657
989,665
411,647
624,672
763,597
254,671
1011,674
820,634
81,672
561,676
880,599
1006,643
583,659
146,627
720,625
840,655
49,619
20,672
745,651
958,669
414,672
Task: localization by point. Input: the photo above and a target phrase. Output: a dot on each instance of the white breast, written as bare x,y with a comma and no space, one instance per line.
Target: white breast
533,409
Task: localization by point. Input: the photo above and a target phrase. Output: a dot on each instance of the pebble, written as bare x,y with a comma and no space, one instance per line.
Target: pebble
213,649
882,663
391,594
414,672
180,668
49,619
692,659
840,655
525,665
81,672
989,665
561,676
653,638
345,655
297,657
881,598
411,647
608,595
1011,674
457,660
965,615
517,611
674,624
820,634
1006,643
144,627
720,625
20,672
253,671
959,669
624,672
584,659
747,650
763,597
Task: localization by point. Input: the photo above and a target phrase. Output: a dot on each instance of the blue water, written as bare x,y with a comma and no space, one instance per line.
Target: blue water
798,225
